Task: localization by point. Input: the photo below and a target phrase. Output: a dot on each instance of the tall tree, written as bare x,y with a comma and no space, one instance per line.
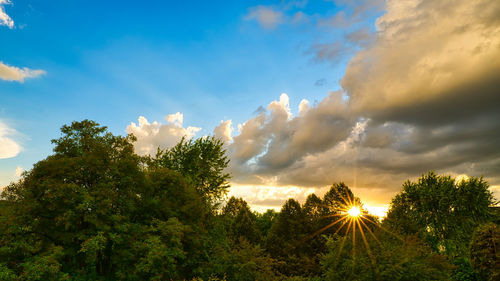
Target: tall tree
78,196
442,211
203,161
93,211
241,222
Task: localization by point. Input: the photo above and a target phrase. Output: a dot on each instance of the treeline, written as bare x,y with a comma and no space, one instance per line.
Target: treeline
95,210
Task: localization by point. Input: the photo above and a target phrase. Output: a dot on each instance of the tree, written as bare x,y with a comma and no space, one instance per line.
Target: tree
485,251
250,262
265,221
241,222
233,207
442,211
202,161
92,211
283,241
87,187
388,257
337,198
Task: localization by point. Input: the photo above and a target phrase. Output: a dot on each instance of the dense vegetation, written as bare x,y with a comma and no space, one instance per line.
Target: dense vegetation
94,210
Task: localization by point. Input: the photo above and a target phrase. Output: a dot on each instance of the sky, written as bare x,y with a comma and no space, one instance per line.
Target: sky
304,93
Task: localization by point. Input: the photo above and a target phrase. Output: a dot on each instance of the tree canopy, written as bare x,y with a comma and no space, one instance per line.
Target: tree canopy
441,210
95,210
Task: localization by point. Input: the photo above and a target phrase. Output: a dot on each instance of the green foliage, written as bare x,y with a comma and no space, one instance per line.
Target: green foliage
385,258
92,211
95,210
485,251
201,161
45,266
265,220
441,211
286,231
337,198
6,273
250,262
241,222
160,253
464,271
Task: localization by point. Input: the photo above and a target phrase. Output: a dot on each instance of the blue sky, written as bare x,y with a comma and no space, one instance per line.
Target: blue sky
373,78
112,61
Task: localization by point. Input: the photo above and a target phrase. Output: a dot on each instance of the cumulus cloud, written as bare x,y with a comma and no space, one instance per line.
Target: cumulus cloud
274,140
266,16
4,18
224,131
150,136
8,146
12,73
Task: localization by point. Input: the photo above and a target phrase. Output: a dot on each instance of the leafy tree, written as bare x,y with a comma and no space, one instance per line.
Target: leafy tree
441,210
160,253
234,206
287,230
87,187
92,211
202,161
265,220
284,240
337,198
485,251
387,257
313,207
313,243
250,262
241,222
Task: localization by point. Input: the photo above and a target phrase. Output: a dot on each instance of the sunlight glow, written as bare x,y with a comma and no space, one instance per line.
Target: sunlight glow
354,212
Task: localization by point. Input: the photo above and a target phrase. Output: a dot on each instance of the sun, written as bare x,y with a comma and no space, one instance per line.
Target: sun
354,212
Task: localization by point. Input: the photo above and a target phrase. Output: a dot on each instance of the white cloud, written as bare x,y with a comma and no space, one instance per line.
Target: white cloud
12,73
8,147
267,17
19,171
4,18
150,136
224,131
176,119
